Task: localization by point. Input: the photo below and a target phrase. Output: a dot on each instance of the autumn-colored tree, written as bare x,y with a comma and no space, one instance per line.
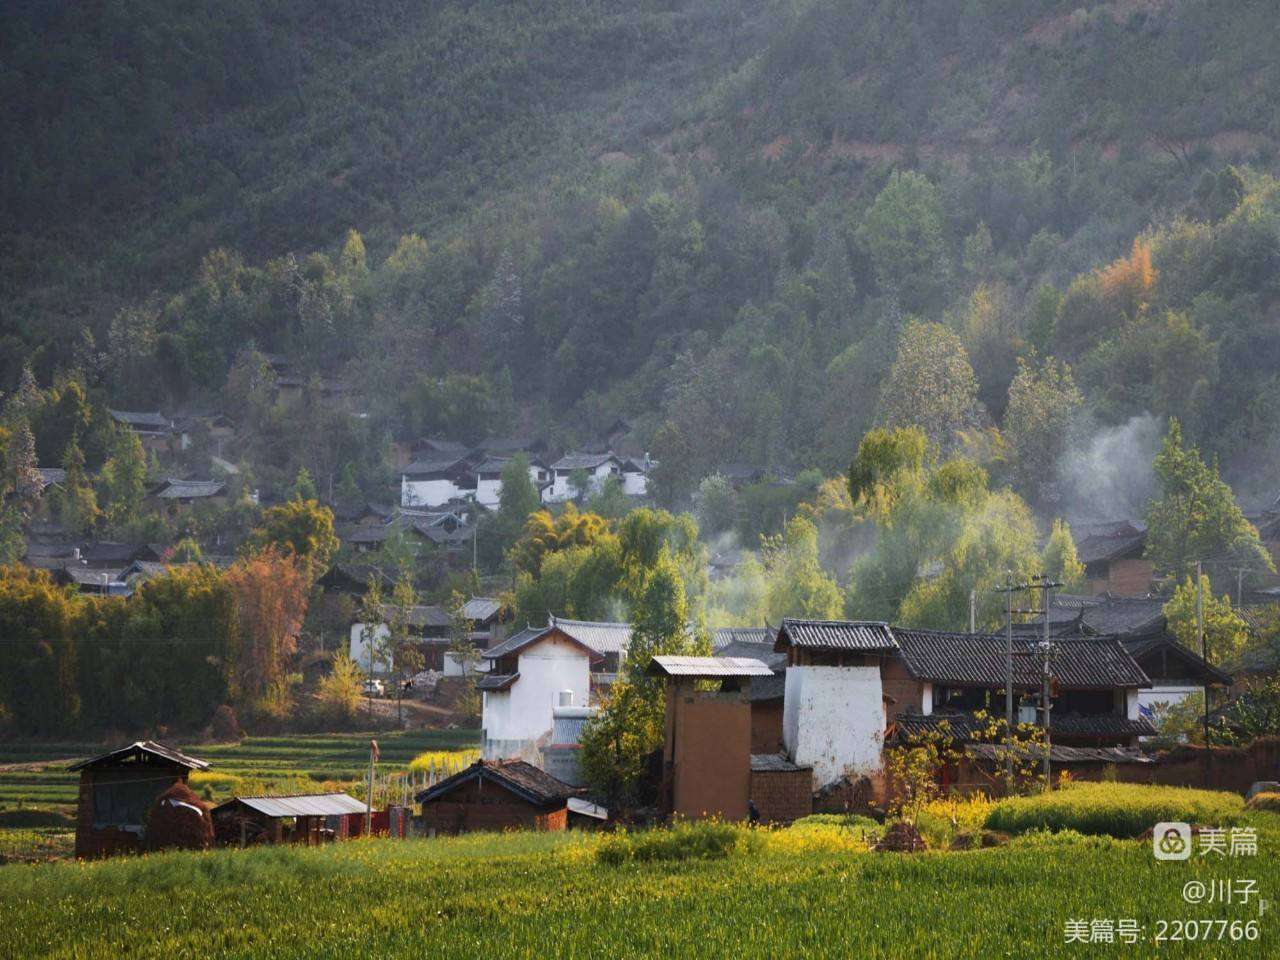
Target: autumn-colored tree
1127,282
339,691
544,534
270,591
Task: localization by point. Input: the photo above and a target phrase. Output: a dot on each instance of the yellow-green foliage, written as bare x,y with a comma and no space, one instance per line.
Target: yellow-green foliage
443,762
1265,801
707,840
1117,809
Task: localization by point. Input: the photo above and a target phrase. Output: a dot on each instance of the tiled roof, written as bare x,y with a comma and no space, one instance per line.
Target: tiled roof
429,466
1116,544
1060,755
1140,647
600,636
979,660
1124,615
141,421
521,778
866,635
708,667
190,489
763,652
144,747
582,461
500,681
492,465
757,635
52,475
964,726
106,553
529,636
773,763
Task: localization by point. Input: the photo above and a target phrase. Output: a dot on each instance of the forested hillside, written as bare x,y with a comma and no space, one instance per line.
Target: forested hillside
731,223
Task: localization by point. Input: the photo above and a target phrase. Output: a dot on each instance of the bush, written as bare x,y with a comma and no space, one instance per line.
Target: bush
1265,801
707,840
1114,809
225,726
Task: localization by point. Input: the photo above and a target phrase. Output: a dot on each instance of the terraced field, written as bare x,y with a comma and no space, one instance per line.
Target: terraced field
37,792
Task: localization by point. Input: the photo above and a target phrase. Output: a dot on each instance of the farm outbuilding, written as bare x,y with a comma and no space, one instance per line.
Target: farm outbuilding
496,795
307,819
118,790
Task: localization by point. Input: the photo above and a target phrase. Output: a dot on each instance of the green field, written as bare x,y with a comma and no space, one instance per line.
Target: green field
34,776
547,895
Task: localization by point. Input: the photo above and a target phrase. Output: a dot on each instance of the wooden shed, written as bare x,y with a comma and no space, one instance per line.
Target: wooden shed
496,795
308,819
117,791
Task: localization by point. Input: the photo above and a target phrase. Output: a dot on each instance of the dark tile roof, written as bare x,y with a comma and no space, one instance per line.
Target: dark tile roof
432,466
1141,647
773,763
964,726
529,636
140,748
1124,615
521,778
51,475
583,461
1123,541
762,651
600,635
768,688
108,554
1060,755
865,635
760,636
963,659
501,681
189,489
141,421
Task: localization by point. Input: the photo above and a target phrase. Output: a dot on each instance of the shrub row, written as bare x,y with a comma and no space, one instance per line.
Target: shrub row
1114,809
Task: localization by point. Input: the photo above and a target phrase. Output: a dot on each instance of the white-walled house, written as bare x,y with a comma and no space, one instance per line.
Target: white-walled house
540,669
436,481
430,626
530,674
598,468
635,476
489,479
833,713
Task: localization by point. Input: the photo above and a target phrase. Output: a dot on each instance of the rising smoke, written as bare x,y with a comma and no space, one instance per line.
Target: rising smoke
1106,474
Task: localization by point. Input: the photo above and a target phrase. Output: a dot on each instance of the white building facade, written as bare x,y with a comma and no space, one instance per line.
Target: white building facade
517,718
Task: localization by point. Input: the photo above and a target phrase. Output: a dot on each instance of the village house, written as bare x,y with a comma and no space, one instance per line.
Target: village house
153,430
567,663
495,795
430,625
436,480
594,468
834,700
706,753
1112,554
765,693
118,790
177,496
489,479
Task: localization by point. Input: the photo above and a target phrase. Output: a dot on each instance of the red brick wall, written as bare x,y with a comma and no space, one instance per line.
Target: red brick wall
1131,578
488,806
905,690
766,726
781,797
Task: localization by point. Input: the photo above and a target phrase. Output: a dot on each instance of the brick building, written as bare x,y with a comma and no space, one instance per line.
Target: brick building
781,791
495,795
706,753
117,791
766,693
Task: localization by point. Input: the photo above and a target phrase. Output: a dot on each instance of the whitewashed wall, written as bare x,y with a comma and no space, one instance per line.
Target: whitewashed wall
522,713
833,719
427,493
359,650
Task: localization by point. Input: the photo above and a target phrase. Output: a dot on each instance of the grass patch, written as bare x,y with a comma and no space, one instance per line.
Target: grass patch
1113,809
1265,801
706,840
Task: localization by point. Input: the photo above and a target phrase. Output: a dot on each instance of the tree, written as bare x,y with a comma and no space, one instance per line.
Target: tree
716,505
659,619
38,691
1060,560
406,654
617,743
930,385
123,479
795,584
1225,632
372,615
903,235
1195,517
301,528
544,534
1042,404
270,590
304,488
21,474
339,691
463,651
77,504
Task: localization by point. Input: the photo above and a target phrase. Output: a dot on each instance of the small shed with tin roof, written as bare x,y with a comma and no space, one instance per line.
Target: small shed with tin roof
117,791
308,818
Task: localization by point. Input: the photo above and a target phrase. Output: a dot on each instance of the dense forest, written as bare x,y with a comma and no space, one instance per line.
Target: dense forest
753,229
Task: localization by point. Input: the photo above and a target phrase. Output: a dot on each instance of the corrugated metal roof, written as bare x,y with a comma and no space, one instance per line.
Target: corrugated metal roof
586,808
673,666
867,635
302,805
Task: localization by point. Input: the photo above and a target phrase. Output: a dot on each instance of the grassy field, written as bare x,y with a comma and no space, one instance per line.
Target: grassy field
34,776
812,890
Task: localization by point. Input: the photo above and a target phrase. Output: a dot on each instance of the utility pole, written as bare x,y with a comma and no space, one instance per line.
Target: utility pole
973,611
1008,589
1047,650
368,806
1204,653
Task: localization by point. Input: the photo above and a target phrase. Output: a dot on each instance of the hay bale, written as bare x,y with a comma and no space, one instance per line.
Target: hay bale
225,726
179,820
901,837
